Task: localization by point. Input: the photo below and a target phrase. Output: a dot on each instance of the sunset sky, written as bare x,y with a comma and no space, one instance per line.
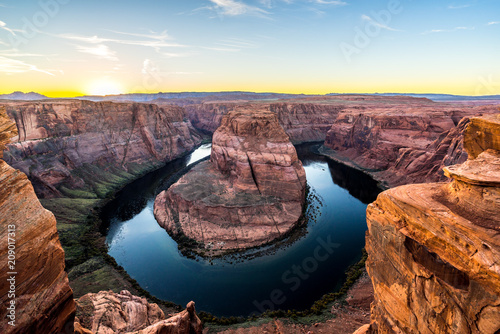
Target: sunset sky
70,47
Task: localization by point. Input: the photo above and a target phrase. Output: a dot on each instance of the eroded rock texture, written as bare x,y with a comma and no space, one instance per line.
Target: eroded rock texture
59,140
108,312
434,249
43,299
402,144
250,192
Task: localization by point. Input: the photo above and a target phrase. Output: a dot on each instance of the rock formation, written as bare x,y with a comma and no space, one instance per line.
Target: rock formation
108,312
434,249
401,144
302,121
77,153
250,192
57,139
37,296
306,122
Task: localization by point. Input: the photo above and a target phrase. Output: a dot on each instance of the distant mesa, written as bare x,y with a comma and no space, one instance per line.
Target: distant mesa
251,192
32,96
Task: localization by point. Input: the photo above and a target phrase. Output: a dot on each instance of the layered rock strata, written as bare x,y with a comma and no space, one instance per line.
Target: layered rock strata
434,249
250,192
35,293
57,138
401,146
77,153
108,312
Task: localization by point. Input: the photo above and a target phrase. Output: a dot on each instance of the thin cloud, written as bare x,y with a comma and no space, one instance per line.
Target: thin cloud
158,42
235,8
11,66
237,43
378,24
3,26
459,6
332,2
16,53
272,3
100,51
220,49
493,23
158,36
435,31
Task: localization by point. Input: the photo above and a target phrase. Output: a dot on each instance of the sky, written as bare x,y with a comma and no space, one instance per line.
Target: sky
64,48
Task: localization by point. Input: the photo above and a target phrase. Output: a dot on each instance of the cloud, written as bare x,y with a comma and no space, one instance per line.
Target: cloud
435,31
458,6
158,36
493,23
272,3
235,8
231,45
156,41
16,53
11,66
100,51
378,24
327,2
3,26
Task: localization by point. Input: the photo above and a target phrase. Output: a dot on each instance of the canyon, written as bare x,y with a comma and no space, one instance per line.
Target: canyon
396,139
77,153
251,192
433,248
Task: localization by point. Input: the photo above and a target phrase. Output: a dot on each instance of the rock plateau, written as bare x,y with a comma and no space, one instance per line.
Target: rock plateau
250,192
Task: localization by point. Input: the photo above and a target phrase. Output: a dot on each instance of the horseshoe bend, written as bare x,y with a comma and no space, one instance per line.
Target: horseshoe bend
250,192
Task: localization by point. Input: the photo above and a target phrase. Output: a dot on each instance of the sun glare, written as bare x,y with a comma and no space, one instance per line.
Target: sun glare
104,87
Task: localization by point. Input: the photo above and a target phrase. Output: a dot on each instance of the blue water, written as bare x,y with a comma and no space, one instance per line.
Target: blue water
291,275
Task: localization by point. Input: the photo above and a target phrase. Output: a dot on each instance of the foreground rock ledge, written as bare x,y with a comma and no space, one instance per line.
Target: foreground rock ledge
434,249
108,312
251,192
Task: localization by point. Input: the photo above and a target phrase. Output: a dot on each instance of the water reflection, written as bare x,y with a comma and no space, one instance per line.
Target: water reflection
227,287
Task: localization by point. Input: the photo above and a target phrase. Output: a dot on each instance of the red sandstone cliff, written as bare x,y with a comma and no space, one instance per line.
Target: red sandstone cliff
398,144
43,300
250,192
434,249
56,138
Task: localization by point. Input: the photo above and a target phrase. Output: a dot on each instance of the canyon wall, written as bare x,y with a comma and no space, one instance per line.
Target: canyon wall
400,145
36,298
302,121
250,192
306,122
58,138
397,140
77,153
434,249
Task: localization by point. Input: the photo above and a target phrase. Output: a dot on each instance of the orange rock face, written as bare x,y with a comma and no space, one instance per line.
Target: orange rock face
250,192
43,300
434,249
109,312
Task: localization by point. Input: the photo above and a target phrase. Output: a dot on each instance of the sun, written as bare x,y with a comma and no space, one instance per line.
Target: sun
104,87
